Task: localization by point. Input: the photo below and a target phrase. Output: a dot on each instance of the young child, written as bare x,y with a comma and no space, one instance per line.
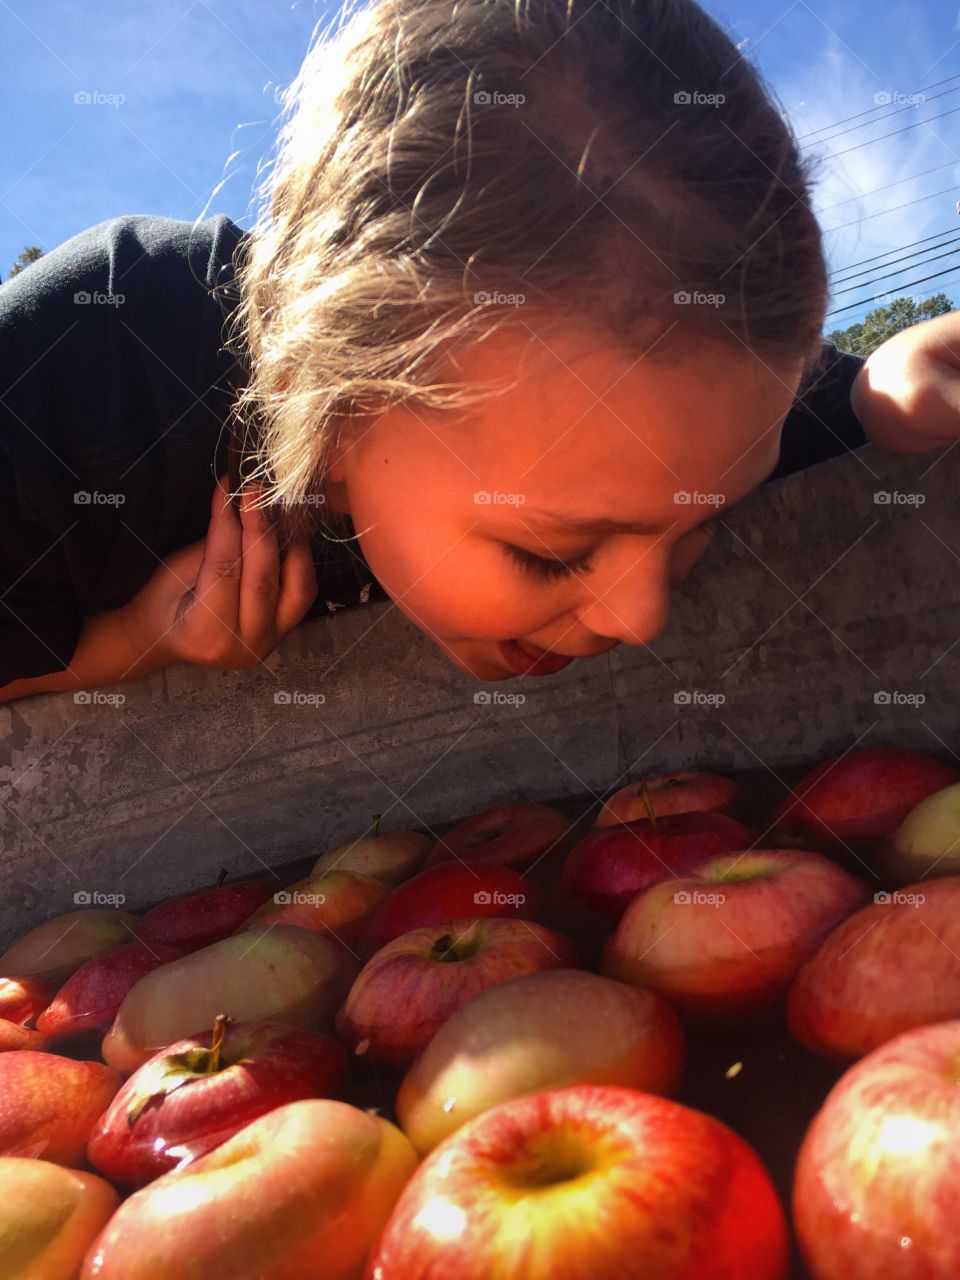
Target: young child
534,297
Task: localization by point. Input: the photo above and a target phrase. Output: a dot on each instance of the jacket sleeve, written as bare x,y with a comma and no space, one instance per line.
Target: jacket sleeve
821,423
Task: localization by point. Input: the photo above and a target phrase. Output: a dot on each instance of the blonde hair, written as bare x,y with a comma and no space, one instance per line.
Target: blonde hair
602,160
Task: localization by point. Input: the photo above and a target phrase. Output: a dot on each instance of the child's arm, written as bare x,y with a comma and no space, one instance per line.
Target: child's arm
225,601
907,395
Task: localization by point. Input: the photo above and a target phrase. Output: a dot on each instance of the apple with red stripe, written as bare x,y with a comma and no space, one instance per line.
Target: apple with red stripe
662,794
510,835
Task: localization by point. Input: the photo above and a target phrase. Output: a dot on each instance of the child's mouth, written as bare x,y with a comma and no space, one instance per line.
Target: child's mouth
529,660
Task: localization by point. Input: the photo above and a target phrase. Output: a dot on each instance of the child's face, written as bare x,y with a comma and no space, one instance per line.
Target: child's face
409,480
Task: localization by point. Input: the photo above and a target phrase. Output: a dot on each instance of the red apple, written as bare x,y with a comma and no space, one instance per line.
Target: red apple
193,1096
90,998
608,868
415,983
14,1036
892,966
338,905
853,801
197,919
279,974
662,794
57,948
22,998
49,1104
49,1217
298,1194
594,1182
389,856
726,939
541,1031
508,835
452,891
876,1178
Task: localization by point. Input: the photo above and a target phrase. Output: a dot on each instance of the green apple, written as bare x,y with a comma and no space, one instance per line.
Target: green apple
926,843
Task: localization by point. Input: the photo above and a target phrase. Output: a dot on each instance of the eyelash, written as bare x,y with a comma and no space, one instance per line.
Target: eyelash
548,568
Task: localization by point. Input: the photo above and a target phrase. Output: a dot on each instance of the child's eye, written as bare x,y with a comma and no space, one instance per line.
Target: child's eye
547,568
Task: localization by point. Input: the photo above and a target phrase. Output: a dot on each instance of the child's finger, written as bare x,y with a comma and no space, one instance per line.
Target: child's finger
260,576
218,582
298,586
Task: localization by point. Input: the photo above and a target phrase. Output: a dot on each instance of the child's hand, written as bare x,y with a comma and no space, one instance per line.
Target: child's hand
225,601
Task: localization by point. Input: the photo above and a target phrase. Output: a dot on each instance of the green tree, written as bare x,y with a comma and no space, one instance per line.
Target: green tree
30,254
879,325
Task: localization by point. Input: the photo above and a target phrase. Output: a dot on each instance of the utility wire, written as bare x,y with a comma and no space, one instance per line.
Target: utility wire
850,306
838,279
870,110
913,266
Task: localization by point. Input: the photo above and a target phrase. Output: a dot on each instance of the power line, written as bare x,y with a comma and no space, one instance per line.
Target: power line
861,195
863,301
871,109
909,245
842,279
893,209
899,111
854,287
906,129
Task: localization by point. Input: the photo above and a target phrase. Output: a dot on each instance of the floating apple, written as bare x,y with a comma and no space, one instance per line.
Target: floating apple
278,974
298,1194
193,1096
90,998
926,843
594,1182
684,791
508,835
853,801
14,1036
876,1178
608,868
49,1104
49,1217
726,939
197,919
541,1031
22,998
338,905
415,983
452,891
894,965
389,856
57,948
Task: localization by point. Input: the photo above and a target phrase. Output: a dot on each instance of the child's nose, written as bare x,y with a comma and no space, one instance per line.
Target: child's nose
631,601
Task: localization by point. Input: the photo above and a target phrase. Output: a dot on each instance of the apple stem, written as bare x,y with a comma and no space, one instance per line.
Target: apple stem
648,803
376,824
222,876
219,1033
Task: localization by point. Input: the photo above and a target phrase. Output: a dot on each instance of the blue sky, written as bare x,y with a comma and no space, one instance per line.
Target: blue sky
198,79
